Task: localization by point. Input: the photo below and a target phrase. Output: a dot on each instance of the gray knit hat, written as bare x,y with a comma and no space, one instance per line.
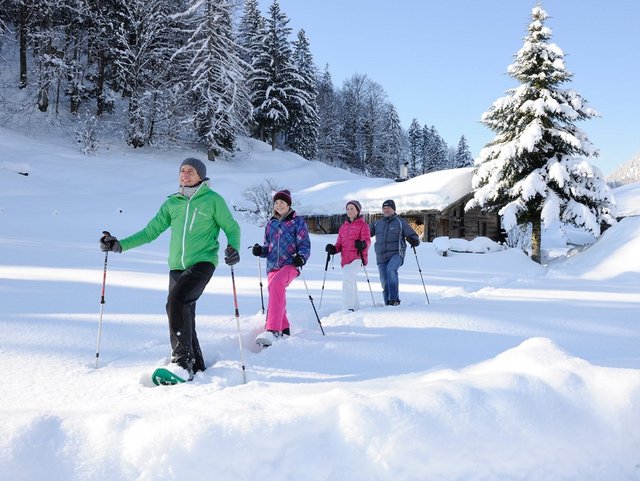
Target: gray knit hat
201,169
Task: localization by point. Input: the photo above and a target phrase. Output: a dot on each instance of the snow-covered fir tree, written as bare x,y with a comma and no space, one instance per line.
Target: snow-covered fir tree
364,103
101,55
415,147
250,29
329,126
392,143
373,130
215,84
463,157
47,40
534,171
77,39
302,132
274,77
142,65
434,150
352,120
251,32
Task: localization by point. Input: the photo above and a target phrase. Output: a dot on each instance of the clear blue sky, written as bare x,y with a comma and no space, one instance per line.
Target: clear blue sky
444,62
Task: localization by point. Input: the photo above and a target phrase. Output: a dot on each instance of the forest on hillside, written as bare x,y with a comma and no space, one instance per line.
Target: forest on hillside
179,73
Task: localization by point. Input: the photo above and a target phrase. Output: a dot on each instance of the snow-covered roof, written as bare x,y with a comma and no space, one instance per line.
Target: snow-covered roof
433,191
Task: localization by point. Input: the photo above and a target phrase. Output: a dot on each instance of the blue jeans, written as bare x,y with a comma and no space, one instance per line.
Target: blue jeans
389,278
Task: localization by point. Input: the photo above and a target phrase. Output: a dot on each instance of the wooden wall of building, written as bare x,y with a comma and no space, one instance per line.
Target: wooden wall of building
453,221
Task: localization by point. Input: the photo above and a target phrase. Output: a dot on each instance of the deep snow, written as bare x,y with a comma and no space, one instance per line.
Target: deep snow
512,370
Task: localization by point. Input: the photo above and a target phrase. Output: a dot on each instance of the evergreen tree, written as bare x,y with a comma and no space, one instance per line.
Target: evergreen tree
302,134
77,24
216,85
364,105
20,14
392,143
373,129
430,149
441,151
353,94
415,148
102,23
251,32
463,157
47,35
533,171
143,53
329,127
274,78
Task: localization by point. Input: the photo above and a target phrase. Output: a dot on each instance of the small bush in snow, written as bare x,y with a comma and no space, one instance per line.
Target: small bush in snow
87,133
260,196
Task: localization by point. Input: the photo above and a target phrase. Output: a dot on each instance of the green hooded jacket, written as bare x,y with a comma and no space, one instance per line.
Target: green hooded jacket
195,225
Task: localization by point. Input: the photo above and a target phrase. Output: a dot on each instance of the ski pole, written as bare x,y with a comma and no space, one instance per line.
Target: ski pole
104,282
420,271
260,277
235,303
367,276
326,266
311,299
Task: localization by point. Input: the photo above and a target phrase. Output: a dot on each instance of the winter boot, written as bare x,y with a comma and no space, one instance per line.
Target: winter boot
266,338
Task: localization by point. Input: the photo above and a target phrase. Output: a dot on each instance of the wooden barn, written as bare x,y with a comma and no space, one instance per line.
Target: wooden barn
452,221
432,203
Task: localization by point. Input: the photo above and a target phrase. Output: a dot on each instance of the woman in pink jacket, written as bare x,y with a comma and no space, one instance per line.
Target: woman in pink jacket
353,243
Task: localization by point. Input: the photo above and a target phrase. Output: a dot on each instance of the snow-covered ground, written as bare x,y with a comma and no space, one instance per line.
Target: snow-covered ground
512,371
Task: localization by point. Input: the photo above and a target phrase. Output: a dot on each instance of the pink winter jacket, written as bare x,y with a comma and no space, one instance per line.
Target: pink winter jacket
348,234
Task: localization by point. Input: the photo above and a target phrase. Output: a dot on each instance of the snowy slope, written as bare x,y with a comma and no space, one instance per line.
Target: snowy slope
511,371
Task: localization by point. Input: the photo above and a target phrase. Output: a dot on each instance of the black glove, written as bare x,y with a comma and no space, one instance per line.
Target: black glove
257,250
231,256
360,246
413,242
298,260
330,249
109,243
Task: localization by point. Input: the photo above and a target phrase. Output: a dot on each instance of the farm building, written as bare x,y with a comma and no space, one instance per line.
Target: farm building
433,203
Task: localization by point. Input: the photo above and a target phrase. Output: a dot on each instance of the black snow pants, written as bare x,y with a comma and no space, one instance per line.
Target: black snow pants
185,288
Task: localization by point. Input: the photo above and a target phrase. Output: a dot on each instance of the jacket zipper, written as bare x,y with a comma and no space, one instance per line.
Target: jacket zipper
193,218
186,221
184,233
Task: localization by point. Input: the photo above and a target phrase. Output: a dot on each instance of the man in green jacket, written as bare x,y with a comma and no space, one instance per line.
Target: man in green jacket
195,215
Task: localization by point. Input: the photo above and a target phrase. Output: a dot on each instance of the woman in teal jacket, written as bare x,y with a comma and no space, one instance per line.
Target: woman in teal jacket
195,215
